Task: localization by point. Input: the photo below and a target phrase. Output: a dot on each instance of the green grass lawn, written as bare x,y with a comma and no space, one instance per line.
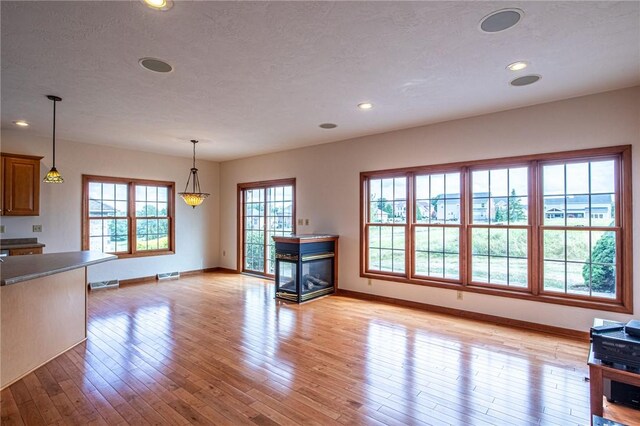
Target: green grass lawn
153,243
499,256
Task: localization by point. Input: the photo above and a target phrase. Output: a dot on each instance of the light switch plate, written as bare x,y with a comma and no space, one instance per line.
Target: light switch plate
1,229
37,228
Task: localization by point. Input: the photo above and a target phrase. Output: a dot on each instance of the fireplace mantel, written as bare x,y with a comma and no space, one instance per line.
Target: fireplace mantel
305,238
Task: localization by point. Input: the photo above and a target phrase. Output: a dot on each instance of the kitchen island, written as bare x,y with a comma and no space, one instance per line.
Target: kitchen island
43,308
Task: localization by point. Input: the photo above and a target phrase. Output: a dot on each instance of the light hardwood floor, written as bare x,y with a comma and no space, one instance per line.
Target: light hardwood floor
218,349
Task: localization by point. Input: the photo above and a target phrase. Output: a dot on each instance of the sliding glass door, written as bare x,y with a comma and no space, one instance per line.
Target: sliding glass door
267,209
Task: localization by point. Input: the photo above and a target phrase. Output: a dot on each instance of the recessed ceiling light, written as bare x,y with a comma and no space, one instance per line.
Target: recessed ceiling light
21,123
155,65
500,20
517,66
162,5
365,105
525,80
328,126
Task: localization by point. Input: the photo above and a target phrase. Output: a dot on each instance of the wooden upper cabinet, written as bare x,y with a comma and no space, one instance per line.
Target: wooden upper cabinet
20,185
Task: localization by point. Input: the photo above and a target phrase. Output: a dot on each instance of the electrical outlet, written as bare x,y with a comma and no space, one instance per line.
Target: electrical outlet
369,281
306,222
37,228
460,294
1,229
300,222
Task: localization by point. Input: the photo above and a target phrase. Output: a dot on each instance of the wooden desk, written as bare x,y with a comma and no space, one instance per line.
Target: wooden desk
598,371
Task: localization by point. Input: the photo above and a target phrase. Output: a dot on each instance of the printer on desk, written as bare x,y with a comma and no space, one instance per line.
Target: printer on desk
619,344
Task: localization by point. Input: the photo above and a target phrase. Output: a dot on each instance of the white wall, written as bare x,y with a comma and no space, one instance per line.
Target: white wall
197,230
328,185
327,190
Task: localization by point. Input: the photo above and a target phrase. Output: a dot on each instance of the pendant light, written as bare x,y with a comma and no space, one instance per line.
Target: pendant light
54,175
196,196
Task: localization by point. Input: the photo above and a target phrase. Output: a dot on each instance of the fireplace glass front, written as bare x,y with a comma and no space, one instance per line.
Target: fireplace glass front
287,276
316,274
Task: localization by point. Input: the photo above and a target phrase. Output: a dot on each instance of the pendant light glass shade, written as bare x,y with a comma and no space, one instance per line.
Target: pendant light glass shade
54,175
195,197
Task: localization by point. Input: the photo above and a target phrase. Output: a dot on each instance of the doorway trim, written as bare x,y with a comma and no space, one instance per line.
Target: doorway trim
265,184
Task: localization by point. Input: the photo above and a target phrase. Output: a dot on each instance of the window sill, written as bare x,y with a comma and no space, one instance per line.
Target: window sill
521,293
144,254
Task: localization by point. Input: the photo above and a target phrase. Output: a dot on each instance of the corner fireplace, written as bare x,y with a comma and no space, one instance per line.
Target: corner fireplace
306,266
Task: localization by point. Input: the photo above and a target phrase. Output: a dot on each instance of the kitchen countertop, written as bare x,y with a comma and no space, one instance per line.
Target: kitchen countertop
17,243
17,269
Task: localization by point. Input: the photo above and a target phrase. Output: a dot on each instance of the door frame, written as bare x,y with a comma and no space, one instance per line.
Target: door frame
265,184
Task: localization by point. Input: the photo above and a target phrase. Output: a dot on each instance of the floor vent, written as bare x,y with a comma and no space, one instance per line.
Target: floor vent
99,285
168,276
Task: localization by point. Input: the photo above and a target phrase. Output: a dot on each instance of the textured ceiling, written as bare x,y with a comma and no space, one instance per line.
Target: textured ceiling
257,77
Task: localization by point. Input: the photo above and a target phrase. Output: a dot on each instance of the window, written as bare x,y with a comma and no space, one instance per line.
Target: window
499,226
127,217
550,227
579,241
387,224
437,225
266,209
152,217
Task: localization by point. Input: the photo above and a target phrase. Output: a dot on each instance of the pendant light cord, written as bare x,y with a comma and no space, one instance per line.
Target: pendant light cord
54,132
194,170
55,100
193,176
194,154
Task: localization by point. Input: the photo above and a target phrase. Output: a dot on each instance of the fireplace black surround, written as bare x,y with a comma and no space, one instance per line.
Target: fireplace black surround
306,266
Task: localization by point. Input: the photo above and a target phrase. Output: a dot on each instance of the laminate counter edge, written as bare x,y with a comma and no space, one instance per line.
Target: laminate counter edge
17,269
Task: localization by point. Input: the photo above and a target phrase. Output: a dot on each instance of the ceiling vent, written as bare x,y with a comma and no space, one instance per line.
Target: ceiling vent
155,65
500,20
525,80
